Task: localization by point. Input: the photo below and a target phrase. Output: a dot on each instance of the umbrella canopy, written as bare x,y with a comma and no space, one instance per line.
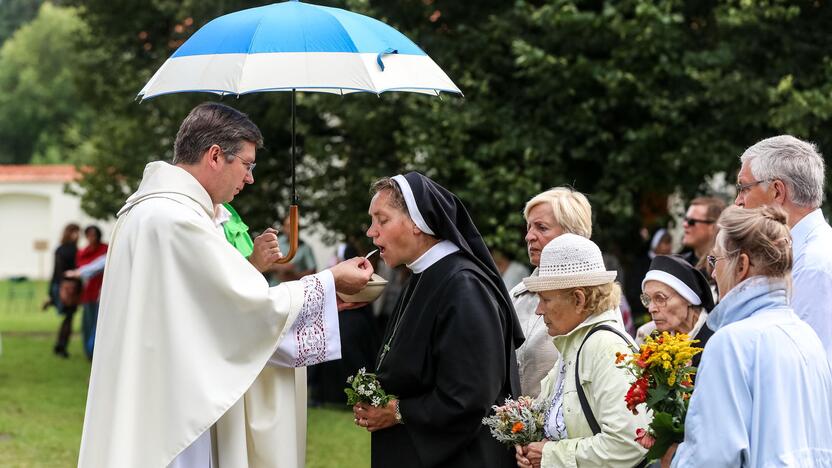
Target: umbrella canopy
295,46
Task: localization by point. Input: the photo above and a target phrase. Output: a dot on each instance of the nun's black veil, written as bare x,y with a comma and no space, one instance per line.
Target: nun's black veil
445,214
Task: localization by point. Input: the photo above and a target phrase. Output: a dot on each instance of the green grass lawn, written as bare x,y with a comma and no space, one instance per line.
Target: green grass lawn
42,397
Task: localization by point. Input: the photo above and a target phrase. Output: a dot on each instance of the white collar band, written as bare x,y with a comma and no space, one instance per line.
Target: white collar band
433,255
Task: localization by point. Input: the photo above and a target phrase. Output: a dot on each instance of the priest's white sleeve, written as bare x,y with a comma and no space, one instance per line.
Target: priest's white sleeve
314,337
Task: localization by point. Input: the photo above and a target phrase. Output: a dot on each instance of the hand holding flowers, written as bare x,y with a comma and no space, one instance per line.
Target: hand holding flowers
372,407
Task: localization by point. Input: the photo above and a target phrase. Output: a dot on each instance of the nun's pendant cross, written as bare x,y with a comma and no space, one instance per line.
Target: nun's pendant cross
384,351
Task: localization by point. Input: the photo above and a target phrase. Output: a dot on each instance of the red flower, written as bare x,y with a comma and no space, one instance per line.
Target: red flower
517,427
637,394
644,439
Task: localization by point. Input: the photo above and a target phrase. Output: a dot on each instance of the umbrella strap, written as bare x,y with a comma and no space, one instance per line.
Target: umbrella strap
385,52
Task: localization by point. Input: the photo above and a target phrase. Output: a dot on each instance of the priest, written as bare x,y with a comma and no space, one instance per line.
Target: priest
449,349
187,324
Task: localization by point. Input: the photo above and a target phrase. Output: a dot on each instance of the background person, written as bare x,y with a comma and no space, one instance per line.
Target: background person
65,261
678,297
763,394
91,290
578,295
548,214
787,172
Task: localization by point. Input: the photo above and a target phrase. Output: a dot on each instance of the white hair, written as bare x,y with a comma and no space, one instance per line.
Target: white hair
796,162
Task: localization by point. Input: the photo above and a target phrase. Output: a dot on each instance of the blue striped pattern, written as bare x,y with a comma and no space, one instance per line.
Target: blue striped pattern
295,27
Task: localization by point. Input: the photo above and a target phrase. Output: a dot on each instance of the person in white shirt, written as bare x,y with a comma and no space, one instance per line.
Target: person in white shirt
787,172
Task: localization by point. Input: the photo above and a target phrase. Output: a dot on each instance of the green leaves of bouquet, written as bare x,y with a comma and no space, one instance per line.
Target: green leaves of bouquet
365,388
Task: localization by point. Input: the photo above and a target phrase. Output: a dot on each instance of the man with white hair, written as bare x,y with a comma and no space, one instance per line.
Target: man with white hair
789,172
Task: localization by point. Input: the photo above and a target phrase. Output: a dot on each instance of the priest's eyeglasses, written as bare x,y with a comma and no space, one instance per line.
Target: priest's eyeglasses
248,164
659,299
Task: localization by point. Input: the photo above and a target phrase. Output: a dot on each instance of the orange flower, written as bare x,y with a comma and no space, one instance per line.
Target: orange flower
619,357
517,427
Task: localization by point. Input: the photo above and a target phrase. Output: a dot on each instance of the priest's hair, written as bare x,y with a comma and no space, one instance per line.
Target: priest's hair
571,209
212,123
396,196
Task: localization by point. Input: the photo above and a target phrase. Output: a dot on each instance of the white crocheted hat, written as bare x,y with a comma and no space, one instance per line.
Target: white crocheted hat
569,261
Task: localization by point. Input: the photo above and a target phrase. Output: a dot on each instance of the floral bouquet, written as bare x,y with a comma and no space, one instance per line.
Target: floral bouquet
517,422
664,382
365,388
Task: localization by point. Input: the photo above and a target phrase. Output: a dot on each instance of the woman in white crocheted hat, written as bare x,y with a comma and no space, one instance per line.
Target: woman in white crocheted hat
588,423
548,214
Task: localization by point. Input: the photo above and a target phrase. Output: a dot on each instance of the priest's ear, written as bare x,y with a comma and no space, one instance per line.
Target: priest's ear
213,157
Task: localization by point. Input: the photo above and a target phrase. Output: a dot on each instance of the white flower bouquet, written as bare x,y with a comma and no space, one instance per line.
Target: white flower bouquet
365,388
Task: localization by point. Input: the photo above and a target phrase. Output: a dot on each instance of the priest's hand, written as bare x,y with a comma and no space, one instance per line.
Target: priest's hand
529,456
266,250
375,418
352,275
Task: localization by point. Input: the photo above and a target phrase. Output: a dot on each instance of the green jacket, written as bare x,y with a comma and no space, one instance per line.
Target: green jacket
605,386
236,232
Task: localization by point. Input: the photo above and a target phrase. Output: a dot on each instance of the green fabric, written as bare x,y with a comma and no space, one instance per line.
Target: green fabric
236,232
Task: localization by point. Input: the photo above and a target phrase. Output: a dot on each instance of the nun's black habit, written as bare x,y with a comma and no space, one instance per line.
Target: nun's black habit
451,357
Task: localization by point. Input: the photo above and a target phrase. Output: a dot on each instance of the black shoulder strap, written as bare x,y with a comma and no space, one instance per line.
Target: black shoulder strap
590,418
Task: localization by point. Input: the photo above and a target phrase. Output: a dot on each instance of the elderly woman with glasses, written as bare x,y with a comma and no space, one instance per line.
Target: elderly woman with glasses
763,394
678,298
587,423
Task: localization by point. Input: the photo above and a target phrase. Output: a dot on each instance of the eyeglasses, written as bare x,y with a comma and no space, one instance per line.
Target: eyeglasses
248,164
659,299
742,188
712,260
693,221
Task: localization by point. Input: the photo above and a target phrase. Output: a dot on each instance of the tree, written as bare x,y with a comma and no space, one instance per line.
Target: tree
41,114
626,101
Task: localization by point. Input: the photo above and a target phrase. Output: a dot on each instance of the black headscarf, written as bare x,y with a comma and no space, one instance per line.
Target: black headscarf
447,217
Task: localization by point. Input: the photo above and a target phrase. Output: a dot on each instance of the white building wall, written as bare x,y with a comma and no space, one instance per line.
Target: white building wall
37,211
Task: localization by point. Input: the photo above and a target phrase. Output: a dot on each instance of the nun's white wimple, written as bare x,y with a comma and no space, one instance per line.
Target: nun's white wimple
675,283
410,201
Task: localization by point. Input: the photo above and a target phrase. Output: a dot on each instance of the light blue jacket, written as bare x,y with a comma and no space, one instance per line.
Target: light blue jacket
763,395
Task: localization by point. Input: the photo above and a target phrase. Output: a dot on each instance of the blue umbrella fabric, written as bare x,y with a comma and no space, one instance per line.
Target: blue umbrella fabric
295,46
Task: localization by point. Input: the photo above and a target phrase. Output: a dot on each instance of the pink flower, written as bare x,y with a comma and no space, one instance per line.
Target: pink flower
644,439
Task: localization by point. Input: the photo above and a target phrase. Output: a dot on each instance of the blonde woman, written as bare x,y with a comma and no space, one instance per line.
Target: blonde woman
587,423
548,214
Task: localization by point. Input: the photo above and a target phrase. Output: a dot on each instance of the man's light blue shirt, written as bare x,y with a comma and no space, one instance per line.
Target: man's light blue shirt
812,275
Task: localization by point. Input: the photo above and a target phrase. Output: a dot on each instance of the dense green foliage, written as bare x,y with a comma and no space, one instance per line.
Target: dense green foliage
627,101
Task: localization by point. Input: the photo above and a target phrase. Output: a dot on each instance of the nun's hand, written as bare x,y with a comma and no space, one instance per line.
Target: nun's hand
375,418
352,275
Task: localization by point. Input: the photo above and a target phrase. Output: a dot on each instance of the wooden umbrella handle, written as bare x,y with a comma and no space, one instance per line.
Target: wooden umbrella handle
294,223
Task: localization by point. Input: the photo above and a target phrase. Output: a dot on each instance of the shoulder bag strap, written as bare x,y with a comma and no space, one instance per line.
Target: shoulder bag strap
590,418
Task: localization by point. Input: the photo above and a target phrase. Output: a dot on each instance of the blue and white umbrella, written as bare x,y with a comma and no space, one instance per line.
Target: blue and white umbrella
295,46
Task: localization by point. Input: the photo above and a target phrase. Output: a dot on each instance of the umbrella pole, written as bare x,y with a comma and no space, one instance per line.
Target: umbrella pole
294,217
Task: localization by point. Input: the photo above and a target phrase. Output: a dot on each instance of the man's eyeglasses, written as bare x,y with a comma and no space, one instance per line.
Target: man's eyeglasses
659,299
742,188
693,221
249,165
712,259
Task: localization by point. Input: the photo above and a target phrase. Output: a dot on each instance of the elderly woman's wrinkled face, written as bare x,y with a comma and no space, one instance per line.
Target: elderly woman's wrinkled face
562,310
541,227
392,231
669,310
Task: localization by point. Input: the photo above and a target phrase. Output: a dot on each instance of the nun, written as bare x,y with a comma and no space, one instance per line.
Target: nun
448,352
678,298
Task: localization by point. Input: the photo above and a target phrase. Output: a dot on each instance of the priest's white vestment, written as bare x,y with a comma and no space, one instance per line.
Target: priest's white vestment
192,341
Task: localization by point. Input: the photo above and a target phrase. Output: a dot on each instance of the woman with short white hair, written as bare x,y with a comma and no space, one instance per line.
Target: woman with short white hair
548,214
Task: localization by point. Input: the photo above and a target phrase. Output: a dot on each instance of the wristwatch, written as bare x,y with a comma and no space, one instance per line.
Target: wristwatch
398,414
